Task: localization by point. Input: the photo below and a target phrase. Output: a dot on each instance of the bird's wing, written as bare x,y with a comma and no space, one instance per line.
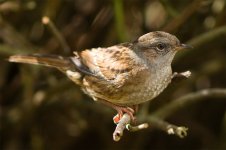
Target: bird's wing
107,63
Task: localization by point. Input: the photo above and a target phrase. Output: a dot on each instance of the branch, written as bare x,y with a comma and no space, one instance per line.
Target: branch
180,131
201,40
131,128
183,17
118,133
188,99
207,36
46,21
125,123
156,119
185,74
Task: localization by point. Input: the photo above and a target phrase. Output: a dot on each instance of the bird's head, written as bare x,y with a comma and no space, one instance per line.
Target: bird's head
158,48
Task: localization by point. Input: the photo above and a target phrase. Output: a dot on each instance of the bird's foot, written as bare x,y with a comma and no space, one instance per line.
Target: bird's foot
121,111
130,110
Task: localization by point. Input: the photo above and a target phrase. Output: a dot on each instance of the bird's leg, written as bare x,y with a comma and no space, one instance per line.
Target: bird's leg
121,110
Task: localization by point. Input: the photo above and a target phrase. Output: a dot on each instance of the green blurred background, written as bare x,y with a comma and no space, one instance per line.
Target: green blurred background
42,109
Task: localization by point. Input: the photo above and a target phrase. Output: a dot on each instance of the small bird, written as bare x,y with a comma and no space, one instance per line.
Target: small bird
121,76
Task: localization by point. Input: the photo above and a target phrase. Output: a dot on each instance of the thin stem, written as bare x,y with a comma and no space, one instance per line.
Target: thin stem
207,36
175,23
186,100
119,19
47,21
180,131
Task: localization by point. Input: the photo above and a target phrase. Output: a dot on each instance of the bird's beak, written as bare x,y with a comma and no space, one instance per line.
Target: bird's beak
183,46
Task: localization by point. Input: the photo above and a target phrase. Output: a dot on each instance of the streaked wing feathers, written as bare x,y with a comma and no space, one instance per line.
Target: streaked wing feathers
107,63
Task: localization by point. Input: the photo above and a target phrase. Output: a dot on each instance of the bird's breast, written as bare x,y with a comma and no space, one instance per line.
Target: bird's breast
135,88
148,88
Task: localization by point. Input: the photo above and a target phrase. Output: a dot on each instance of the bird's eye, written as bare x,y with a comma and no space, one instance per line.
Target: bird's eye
161,46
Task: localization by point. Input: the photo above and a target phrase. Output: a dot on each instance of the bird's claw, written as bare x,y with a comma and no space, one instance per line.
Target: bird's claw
121,111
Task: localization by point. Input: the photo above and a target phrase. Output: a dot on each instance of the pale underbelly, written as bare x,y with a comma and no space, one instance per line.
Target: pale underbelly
142,94
132,94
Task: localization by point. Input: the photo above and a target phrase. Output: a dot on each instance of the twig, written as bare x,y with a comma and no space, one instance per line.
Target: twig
186,100
185,74
180,131
207,36
125,123
118,133
156,119
183,17
202,39
46,20
131,128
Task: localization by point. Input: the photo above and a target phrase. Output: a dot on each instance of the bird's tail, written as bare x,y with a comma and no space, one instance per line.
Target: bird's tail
61,63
